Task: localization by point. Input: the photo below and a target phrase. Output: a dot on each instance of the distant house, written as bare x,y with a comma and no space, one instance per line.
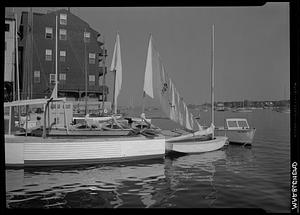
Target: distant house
220,106
79,48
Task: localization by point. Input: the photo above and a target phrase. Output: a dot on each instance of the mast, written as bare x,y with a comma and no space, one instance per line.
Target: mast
17,58
56,83
212,79
85,70
31,59
114,74
17,67
103,79
113,100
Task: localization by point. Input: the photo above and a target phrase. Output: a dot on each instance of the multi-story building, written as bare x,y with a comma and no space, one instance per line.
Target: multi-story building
10,50
79,55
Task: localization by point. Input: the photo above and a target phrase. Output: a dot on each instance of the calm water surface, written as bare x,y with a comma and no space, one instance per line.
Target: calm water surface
233,177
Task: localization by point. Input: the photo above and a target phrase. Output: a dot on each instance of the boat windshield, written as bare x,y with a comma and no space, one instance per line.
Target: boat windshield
232,124
243,124
237,124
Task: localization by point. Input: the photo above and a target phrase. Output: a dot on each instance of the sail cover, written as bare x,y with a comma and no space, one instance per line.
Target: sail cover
161,88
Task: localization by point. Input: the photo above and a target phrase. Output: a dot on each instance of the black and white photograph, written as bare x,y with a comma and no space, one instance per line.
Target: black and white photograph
149,107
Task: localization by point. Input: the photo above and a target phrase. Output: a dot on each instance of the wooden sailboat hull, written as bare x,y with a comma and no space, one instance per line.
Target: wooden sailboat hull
240,136
196,145
36,151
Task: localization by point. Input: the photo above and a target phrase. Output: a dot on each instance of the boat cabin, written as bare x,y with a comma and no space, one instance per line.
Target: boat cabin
233,124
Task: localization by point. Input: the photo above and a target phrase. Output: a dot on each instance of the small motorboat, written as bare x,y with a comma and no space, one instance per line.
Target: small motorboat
237,130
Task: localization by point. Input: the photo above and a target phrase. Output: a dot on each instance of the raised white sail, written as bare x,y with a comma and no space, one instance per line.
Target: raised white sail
160,87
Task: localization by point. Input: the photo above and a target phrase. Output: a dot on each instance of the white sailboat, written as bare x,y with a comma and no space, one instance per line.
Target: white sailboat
72,149
160,87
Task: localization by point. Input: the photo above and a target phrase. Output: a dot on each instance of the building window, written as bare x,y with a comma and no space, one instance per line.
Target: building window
48,33
48,55
63,19
87,36
62,76
52,78
37,77
62,56
62,34
92,58
91,80
6,27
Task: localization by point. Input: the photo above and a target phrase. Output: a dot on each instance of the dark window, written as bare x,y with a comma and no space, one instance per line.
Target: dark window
62,34
62,76
52,79
92,58
63,19
6,27
62,56
48,55
20,33
86,36
37,77
48,32
91,80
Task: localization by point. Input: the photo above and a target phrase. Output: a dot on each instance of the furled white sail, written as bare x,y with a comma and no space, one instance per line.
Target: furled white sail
148,80
116,65
180,112
173,111
187,118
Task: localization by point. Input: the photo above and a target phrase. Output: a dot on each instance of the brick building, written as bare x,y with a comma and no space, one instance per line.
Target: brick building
10,50
79,48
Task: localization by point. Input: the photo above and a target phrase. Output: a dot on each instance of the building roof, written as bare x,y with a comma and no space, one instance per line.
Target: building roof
25,13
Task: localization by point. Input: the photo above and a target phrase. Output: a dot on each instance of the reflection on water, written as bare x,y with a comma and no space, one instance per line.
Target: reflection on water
191,172
93,186
150,184
240,159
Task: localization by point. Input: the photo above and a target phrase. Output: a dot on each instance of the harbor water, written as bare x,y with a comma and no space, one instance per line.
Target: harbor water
233,177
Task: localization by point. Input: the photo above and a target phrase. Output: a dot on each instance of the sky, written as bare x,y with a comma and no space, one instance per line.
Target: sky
251,49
